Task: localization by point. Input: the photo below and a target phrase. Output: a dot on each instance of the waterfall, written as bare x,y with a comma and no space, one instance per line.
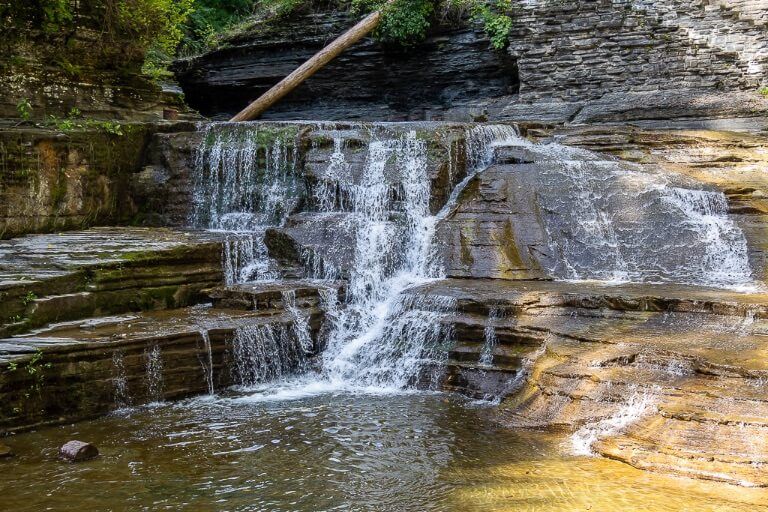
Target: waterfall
245,180
206,359
383,338
489,333
602,219
268,352
613,221
120,380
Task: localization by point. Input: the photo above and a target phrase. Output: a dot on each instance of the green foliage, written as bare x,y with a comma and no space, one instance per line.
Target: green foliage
493,14
35,368
74,122
56,15
24,108
763,91
210,18
28,299
404,22
157,26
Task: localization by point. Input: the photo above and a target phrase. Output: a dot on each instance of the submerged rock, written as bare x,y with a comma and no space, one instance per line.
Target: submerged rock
5,451
78,451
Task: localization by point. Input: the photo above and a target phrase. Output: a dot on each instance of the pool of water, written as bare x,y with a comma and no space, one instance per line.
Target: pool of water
349,451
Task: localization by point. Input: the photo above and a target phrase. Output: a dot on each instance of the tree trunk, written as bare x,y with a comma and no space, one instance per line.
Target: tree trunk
310,67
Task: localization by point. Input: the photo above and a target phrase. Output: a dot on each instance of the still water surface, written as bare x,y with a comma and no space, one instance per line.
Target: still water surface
333,451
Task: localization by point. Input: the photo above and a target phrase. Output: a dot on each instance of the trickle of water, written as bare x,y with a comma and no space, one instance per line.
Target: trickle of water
245,259
264,353
300,324
120,380
489,332
206,360
154,374
640,403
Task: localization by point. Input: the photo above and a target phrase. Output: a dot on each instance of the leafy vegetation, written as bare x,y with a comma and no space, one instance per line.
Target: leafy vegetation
24,108
403,22
74,121
159,30
35,368
763,91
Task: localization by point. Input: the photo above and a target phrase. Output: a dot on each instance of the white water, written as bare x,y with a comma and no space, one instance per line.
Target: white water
491,340
120,380
245,180
265,353
613,221
154,374
383,338
605,220
640,402
206,359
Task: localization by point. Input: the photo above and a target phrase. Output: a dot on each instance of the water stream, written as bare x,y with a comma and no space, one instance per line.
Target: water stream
604,220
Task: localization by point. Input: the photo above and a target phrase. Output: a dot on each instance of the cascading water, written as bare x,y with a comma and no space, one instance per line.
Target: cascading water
154,374
604,220
383,338
489,332
613,221
245,180
265,353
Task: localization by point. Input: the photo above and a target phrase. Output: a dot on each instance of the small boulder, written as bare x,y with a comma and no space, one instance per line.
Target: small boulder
5,451
78,451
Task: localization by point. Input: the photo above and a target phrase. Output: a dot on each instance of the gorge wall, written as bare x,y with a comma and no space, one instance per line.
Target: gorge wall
72,56
453,69
599,60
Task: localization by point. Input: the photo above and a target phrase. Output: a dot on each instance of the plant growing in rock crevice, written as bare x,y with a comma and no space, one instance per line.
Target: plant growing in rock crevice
34,368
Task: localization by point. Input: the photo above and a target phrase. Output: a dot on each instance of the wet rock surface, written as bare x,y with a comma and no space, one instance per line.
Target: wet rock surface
732,162
5,451
87,368
664,378
67,276
78,451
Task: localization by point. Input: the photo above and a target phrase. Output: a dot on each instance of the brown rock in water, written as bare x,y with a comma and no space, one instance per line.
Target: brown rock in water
5,451
78,451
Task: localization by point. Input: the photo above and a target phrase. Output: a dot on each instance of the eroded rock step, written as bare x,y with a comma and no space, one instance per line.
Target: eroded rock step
663,377
79,369
73,275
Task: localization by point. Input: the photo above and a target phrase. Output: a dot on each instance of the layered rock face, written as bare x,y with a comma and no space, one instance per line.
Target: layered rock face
53,180
59,62
606,60
569,61
453,69
665,378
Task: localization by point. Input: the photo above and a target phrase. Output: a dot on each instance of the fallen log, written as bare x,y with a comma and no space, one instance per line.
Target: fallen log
310,67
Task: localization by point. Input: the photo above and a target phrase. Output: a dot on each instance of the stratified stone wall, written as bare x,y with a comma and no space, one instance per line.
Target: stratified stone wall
81,62
52,180
575,51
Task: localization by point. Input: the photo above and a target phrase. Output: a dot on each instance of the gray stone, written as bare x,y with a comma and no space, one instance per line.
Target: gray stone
453,69
78,451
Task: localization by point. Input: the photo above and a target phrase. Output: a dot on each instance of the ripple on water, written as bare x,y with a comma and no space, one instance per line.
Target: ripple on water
333,450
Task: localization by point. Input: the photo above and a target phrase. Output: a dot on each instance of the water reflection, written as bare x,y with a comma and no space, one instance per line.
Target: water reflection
332,451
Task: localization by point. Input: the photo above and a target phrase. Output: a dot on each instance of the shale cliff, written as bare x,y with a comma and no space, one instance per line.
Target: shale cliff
599,60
